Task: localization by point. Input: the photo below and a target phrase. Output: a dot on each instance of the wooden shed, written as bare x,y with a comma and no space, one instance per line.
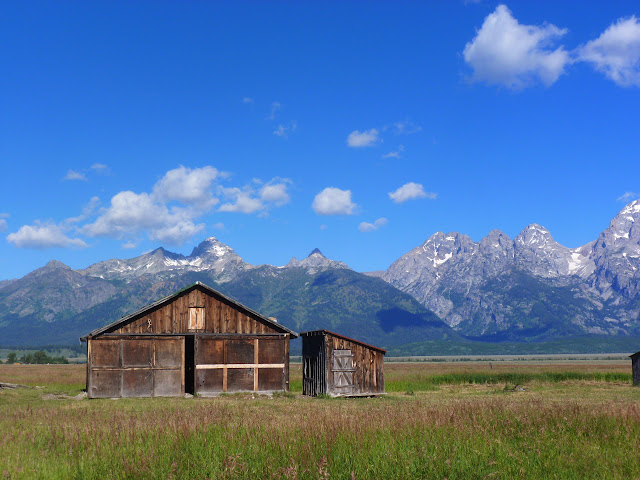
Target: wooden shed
195,341
635,368
340,366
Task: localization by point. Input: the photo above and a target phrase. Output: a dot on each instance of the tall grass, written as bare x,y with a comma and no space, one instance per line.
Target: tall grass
592,433
430,382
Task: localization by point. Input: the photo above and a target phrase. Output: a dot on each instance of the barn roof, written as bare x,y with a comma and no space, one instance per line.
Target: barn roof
168,298
634,355
327,332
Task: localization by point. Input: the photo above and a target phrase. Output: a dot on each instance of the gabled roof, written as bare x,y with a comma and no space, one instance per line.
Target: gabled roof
313,333
246,310
634,355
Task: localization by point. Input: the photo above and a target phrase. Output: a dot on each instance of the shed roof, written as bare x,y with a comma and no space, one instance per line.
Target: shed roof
168,298
312,333
634,355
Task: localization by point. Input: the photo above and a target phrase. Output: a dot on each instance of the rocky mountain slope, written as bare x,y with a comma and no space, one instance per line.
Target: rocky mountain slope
56,304
530,287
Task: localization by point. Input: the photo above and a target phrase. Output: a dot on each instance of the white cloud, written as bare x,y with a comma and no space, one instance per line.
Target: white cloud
275,193
506,52
218,226
366,138
130,213
242,201
169,213
247,100
176,230
100,167
333,201
249,200
188,186
43,235
129,245
87,211
323,227
275,108
284,130
3,225
628,196
371,227
73,175
616,52
406,127
396,154
411,191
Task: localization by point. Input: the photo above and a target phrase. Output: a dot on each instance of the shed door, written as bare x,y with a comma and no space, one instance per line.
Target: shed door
343,371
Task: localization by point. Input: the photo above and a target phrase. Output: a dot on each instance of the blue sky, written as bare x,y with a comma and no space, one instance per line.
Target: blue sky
361,128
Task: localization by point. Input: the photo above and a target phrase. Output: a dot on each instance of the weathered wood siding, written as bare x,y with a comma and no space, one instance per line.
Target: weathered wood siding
635,368
368,375
174,317
123,366
314,373
235,363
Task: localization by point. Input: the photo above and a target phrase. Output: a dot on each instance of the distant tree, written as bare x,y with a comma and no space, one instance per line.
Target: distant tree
40,357
12,357
28,358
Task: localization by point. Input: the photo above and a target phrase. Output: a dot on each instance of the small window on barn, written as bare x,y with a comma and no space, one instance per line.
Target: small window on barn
196,318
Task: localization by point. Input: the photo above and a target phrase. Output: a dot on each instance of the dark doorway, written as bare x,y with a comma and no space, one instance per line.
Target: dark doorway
189,364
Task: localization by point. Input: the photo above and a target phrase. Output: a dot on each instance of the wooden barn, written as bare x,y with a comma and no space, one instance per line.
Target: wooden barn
635,368
195,341
340,366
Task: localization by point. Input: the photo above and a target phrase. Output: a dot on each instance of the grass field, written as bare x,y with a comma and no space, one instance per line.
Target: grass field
439,420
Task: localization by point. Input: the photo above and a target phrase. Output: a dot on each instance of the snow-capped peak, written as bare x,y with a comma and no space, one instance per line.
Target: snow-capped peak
211,246
535,236
630,209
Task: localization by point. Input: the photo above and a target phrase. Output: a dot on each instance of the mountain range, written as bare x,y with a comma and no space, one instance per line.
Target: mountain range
448,289
531,287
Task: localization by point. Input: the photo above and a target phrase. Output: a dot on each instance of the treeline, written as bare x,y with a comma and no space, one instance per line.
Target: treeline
47,348
39,357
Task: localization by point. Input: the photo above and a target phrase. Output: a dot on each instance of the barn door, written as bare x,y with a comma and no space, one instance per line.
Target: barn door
343,371
140,366
239,364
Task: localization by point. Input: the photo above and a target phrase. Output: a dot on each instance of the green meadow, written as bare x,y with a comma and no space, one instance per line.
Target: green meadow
459,420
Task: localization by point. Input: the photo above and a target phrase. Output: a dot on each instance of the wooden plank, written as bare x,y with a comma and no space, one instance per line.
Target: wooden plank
168,383
210,350
271,350
183,365
137,352
255,368
217,316
225,371
270,379
106,353
220,366
137,382
106,383
209,382
286,363
239,379
169,352
88,369
225,376
240,351
175,318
